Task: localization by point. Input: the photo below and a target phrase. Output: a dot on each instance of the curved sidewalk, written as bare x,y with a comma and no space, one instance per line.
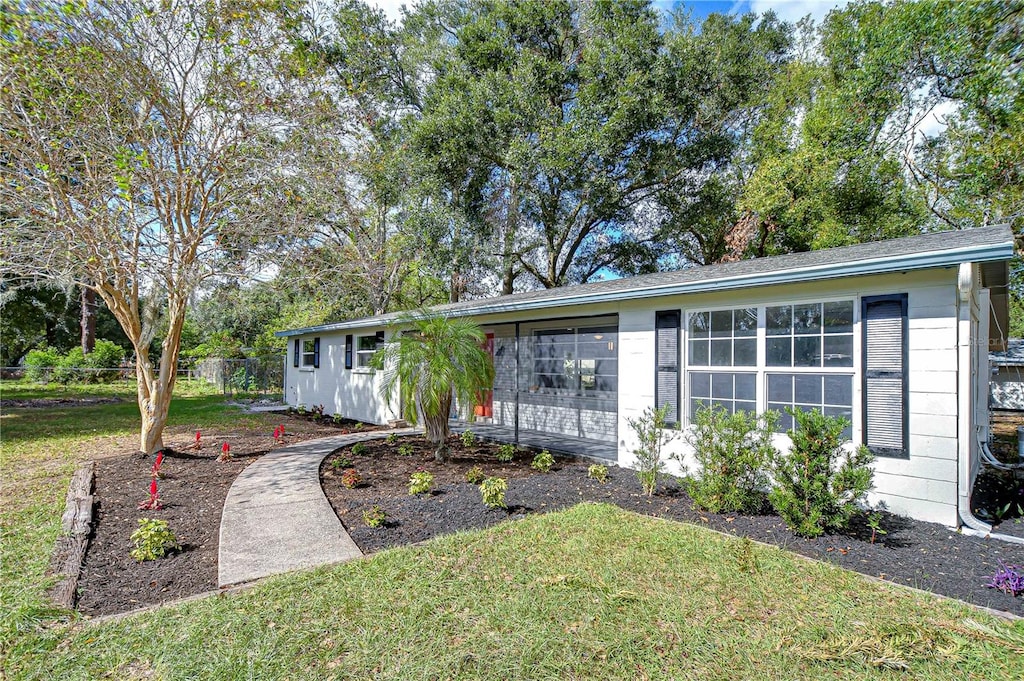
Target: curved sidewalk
276,517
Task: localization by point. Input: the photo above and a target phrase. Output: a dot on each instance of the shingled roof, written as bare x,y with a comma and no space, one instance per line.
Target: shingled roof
936,249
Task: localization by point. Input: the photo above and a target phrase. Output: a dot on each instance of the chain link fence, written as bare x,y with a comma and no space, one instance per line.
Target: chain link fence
260,376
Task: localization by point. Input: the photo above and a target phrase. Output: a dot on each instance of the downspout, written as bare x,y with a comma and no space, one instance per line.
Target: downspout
965,407
971,525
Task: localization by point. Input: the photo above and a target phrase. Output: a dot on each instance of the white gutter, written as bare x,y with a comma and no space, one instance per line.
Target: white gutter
966,439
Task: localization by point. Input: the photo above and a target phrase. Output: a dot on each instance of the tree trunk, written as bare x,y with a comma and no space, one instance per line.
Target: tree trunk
155,389
435,429
88,320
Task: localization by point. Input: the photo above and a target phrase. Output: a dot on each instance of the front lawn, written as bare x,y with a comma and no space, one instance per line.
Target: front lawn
592,592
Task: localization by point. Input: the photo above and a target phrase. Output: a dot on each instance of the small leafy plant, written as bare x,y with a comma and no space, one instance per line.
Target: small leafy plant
652,436
874,521
475,475
733,452
317,410
598,472
506,452
543,462
1009,579
358,449
421,482
492,492
375,516
341,462
337,418
152,540
405,450
468,438
391,438
817,483
351,478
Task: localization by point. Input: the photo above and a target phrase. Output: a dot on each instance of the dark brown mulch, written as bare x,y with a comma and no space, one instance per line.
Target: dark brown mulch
918,554
193,490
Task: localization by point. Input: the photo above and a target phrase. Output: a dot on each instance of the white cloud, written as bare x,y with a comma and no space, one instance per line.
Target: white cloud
794,10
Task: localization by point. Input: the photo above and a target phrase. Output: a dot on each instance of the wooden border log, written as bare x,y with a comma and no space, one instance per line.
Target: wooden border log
76,525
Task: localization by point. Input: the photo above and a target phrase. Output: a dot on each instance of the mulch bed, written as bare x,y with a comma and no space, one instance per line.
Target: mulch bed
918,554
51,402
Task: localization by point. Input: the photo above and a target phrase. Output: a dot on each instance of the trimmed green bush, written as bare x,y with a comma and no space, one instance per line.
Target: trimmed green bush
652,436
492,492
39,363
818,483
734,452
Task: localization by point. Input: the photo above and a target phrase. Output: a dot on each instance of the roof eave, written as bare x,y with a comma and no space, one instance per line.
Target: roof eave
884,265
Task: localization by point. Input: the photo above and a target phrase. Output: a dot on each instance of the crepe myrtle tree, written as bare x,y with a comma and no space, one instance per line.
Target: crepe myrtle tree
431,361
137,137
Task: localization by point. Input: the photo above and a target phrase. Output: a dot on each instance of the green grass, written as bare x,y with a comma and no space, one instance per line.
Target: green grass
39,449
593,592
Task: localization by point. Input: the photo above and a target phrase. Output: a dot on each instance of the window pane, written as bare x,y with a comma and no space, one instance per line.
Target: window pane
721,386
721,353
807,318
785,421
839,390
721,323
779,351
780,389
839,351
779,320
745,322
846,414
839,317
807,351
746,406
307,346
700,385
807,389
698,352
746,386
745,352
699,324
696,405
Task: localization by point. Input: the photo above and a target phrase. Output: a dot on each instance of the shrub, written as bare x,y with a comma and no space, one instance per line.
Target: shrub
153,540
475,475
358,449
734,452
543,462
421,482
391,438
405,450
40,363
337,419
375,516
598,472
492,491
506,452
351,478
651,437
106,355
818,483
341,462
468,438
67,369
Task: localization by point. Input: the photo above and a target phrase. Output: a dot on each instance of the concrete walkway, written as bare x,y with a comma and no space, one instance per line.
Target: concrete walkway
276,517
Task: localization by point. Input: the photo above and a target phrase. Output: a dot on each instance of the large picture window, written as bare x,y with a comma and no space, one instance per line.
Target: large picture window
831,394
729,390
580,360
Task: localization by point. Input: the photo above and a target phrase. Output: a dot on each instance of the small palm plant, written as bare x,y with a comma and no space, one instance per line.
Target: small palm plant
438,361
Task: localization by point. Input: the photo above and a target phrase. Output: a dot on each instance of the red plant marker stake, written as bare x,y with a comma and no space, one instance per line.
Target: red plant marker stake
225,452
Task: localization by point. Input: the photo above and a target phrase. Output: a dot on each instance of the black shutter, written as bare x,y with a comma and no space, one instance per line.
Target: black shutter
316,353
666,358
348,351
886,390
298,351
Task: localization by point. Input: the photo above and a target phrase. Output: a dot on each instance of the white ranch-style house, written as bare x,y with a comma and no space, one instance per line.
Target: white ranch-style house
893,335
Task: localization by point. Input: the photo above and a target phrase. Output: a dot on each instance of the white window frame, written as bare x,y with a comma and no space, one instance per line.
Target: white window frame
761,369
308,356
363,357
